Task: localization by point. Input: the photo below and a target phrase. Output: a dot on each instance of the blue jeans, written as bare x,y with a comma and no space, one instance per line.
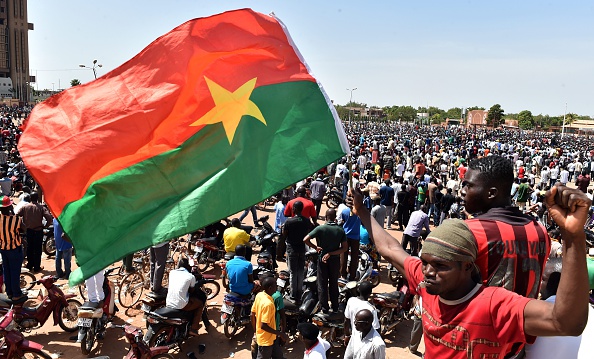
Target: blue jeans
66,255
11,265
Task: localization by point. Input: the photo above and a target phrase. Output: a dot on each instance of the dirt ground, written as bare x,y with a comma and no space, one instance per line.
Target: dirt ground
58,344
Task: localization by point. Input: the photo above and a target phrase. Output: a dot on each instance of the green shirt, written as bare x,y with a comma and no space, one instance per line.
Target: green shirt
590,263
279,304
328,236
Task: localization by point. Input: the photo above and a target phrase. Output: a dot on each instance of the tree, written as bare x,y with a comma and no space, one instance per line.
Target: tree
74,82
495,115
454,113
525,120
475,108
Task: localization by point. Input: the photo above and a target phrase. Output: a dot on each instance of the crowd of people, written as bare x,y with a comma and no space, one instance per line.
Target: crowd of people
484,216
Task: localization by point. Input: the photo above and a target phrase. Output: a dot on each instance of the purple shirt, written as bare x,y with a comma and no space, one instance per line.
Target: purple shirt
418,220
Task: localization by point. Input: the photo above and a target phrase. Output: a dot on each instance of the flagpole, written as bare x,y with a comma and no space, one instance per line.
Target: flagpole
563,128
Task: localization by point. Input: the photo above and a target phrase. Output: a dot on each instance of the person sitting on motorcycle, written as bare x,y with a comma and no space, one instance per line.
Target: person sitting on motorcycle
183,293
234,236
240,272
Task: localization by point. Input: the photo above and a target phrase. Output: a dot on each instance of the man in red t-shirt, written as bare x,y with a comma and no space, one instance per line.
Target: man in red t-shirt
309,209
462,318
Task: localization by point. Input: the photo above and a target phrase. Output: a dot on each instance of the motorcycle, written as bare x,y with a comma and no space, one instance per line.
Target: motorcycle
170,327
49,243
63,308
334,322
393,307
310,305
138,348
365,270
211,249
92,320
333,197
13,344
266,238
235,312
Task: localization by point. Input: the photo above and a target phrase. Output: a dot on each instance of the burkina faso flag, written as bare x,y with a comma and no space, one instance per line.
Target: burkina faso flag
209,119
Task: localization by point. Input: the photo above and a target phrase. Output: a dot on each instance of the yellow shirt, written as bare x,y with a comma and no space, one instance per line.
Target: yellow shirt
265,311
234,236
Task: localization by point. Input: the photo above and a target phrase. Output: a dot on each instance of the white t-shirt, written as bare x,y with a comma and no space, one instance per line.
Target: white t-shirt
354,305
580,347
180,281
318,351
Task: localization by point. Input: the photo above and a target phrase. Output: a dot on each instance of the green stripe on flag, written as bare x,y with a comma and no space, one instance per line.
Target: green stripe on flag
205,179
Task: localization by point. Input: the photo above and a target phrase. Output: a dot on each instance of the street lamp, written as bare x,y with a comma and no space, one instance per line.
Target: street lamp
94,67
351,103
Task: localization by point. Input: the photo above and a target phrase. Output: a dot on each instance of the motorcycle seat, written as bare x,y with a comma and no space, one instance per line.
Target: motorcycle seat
211,240
289,305
393,296
173,313
238,299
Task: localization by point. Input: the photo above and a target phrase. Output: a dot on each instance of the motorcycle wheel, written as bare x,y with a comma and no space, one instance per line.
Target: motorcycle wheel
230,327
32,354
131,288
375,281
393,275
331,202
162,356
225,282
68,315
88,341
211,289
203,262
160,338
49,246
27,280
384,321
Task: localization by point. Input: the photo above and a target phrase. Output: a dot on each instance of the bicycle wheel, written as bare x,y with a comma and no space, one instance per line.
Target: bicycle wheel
131,288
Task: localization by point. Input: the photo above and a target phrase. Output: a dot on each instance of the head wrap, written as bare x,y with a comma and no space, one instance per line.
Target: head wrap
452,240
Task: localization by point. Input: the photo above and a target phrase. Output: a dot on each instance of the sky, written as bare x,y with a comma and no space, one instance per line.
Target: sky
524,55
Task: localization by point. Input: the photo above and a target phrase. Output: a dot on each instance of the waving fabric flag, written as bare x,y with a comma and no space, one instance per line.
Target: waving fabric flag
209,119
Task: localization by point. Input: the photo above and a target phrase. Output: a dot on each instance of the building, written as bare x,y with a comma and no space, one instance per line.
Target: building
476,118
14,47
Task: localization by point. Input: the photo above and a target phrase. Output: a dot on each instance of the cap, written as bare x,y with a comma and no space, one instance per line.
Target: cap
6,202
308,330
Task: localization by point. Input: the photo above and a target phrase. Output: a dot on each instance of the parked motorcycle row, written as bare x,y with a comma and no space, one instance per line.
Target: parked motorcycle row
167,328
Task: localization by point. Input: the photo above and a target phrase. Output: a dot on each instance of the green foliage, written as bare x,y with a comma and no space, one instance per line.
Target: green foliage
495,115
475,108
525,120
400,113
74,82
454,113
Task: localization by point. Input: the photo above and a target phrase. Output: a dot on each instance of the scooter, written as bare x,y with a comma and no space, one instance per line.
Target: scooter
14,344
92,320
61,306
138,348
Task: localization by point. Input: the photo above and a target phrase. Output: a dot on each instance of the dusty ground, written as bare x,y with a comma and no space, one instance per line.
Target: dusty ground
114,345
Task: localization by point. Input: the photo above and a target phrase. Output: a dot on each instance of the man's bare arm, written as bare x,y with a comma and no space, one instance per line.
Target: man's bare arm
569,315
386,245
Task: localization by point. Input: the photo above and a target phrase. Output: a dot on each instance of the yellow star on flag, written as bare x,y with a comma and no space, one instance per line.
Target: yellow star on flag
230,107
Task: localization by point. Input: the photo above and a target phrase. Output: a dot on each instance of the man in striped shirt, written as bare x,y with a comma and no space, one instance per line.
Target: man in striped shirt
11,250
